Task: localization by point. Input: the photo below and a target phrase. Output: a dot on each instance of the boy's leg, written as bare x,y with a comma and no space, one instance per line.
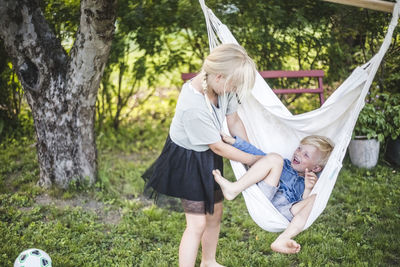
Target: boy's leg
268,168
195,227
209,240
301,210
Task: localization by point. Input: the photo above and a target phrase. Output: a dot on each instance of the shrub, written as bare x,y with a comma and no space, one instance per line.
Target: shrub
392,115
371,121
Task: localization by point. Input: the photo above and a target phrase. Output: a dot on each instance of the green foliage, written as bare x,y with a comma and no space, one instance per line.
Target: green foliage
124,152
143,129
18,166
155,41
63,18
301,103
380,117
148,50
1,126
371,121
161,39
392,115
391,65
120,175
11,103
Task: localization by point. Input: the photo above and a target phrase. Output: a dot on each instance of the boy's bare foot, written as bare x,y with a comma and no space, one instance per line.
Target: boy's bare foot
225,185
285,245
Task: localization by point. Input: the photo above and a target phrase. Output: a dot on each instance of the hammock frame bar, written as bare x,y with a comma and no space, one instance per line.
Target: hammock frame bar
378,5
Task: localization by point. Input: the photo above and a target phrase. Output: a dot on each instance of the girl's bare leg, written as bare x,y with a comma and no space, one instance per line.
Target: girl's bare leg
195,227
268,168
210,237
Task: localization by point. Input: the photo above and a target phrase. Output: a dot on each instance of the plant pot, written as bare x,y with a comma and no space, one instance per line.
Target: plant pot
364,153
392,154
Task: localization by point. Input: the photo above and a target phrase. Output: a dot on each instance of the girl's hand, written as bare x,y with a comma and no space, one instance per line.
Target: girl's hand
227,139
310,179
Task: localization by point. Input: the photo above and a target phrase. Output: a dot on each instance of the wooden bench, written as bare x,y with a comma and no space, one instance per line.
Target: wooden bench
274,74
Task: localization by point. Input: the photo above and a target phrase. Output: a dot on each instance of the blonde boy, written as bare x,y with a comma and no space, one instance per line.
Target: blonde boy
286,183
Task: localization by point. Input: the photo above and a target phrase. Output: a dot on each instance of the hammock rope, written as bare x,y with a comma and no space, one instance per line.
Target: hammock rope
272,127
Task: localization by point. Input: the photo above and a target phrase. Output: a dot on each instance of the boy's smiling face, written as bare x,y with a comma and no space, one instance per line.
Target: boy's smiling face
306,157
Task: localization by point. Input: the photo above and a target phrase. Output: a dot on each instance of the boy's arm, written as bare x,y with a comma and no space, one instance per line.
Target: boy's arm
306,193
247,147
309,181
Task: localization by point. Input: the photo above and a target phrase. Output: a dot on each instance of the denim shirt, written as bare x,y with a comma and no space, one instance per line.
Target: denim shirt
290,183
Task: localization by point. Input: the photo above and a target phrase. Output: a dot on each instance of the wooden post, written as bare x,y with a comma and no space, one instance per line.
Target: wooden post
370,4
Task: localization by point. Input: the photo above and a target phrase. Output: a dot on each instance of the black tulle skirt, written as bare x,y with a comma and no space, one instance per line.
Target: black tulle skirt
185,174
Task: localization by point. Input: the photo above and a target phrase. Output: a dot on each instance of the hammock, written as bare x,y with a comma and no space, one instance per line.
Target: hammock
271,127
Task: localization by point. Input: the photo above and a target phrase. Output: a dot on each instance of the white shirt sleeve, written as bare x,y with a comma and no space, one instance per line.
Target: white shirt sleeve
232,103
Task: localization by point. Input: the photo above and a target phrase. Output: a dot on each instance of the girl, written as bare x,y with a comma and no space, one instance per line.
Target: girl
194,147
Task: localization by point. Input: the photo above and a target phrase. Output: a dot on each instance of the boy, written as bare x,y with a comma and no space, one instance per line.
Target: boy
286,183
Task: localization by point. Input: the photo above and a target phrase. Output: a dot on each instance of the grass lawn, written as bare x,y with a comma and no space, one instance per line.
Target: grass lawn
111,224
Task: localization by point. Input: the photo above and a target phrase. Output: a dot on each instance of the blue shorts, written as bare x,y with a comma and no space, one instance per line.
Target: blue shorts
277,199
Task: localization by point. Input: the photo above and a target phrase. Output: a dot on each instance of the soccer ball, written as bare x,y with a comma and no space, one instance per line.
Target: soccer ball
33,257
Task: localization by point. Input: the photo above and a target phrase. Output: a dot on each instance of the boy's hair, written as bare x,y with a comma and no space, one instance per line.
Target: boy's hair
232,61
324,144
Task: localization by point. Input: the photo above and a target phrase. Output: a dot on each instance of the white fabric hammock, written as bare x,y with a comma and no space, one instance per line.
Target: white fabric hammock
271,127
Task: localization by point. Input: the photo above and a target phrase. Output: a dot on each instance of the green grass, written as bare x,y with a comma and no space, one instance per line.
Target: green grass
110,224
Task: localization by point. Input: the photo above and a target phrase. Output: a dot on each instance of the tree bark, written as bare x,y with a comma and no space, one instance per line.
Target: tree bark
61,89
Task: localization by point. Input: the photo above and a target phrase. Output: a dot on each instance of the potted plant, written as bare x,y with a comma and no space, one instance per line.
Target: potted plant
392,128
368,133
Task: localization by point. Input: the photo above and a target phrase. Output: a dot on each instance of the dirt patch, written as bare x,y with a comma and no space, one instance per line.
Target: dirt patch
106,213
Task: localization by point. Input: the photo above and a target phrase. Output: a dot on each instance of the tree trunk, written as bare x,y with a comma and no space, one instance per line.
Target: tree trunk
60,89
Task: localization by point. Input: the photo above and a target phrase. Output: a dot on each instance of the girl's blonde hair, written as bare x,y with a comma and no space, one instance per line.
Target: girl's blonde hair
322,143
232,61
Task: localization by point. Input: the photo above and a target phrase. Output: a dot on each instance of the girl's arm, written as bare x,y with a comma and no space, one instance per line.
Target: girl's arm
247,147
236,126
228,151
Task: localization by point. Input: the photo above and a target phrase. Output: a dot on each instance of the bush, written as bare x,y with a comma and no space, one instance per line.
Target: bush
392,115
371,121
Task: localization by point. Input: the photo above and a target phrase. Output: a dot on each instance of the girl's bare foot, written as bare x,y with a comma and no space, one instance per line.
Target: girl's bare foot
285,245
226,186
211,264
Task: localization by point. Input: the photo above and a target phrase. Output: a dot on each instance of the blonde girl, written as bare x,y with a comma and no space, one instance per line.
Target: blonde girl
194,147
